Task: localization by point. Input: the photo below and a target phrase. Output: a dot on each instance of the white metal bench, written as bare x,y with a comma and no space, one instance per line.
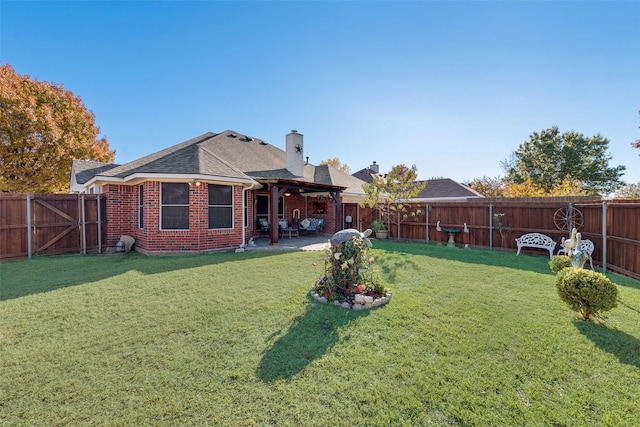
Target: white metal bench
536,240
587,248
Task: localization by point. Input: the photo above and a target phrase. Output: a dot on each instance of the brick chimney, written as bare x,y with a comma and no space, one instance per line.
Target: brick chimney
295,153
375,168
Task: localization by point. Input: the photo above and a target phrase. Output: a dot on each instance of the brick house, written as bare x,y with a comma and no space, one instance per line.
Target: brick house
209,192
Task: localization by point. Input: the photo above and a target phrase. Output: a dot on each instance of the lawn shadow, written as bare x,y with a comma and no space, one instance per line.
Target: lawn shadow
622,345
25,277
308,338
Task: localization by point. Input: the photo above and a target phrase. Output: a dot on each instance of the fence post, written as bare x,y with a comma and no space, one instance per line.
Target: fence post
29,237
426,225
84,227
490,226
604,237
99,225
570,216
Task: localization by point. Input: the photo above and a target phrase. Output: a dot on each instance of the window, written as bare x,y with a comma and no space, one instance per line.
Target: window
220,206
141,207
175,206
262,207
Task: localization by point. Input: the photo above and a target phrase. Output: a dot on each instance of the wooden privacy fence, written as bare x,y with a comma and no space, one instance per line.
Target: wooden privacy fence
613,226
51,224
63,223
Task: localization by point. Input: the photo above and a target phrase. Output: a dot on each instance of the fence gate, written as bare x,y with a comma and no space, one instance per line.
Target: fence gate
56,224
44,224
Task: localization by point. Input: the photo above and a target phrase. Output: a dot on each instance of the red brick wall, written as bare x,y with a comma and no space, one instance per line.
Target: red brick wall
121,211
305,205
122,216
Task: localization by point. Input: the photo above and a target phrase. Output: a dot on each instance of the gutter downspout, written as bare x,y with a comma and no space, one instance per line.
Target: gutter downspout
254,185
244,209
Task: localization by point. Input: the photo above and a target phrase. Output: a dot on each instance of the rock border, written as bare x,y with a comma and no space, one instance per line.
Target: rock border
362,302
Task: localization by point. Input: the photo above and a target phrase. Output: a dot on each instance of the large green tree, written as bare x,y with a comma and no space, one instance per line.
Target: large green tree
550,158
43,128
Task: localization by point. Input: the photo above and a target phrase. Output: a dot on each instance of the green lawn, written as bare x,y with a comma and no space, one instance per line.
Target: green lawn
470,338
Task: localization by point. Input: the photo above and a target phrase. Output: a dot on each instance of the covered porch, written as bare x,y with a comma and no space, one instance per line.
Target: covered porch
294,200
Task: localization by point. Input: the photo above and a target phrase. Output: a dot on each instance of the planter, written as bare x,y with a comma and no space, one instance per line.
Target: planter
382,234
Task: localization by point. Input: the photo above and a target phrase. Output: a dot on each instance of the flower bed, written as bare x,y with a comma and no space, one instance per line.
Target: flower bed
349,279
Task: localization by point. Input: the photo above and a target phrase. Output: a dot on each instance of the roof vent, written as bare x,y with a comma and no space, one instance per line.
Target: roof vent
246,139
232,135
263,143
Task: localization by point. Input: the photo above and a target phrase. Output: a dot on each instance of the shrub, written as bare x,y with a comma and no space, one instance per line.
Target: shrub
558,262
586,291
378,225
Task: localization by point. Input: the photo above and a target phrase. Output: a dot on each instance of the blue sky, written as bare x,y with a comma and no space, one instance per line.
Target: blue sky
452,87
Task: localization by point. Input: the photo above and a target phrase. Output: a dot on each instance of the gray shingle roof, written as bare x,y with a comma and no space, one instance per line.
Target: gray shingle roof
326,174
195,156
231,155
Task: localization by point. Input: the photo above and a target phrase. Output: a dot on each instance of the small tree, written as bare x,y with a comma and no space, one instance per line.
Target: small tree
502,228
393,193
586,291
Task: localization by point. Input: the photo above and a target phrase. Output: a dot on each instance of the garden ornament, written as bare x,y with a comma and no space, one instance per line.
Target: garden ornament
570,244
577,256
349,233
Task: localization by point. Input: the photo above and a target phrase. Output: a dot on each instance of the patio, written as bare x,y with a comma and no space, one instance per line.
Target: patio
310,242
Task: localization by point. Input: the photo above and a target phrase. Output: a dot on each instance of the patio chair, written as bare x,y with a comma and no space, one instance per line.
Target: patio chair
265,228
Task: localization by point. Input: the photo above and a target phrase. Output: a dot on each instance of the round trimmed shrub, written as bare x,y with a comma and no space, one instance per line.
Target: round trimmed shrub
586,291
558,262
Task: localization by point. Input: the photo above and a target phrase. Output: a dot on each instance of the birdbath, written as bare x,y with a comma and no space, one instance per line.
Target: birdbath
452,232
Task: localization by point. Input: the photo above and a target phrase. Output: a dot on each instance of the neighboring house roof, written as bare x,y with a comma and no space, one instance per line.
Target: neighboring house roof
368,173
227,156
446,189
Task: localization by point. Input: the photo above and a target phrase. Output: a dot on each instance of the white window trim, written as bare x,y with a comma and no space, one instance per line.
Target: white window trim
222,206
162,205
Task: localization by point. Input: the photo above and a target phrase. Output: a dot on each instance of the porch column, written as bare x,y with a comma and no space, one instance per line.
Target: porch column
335,195
274,214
